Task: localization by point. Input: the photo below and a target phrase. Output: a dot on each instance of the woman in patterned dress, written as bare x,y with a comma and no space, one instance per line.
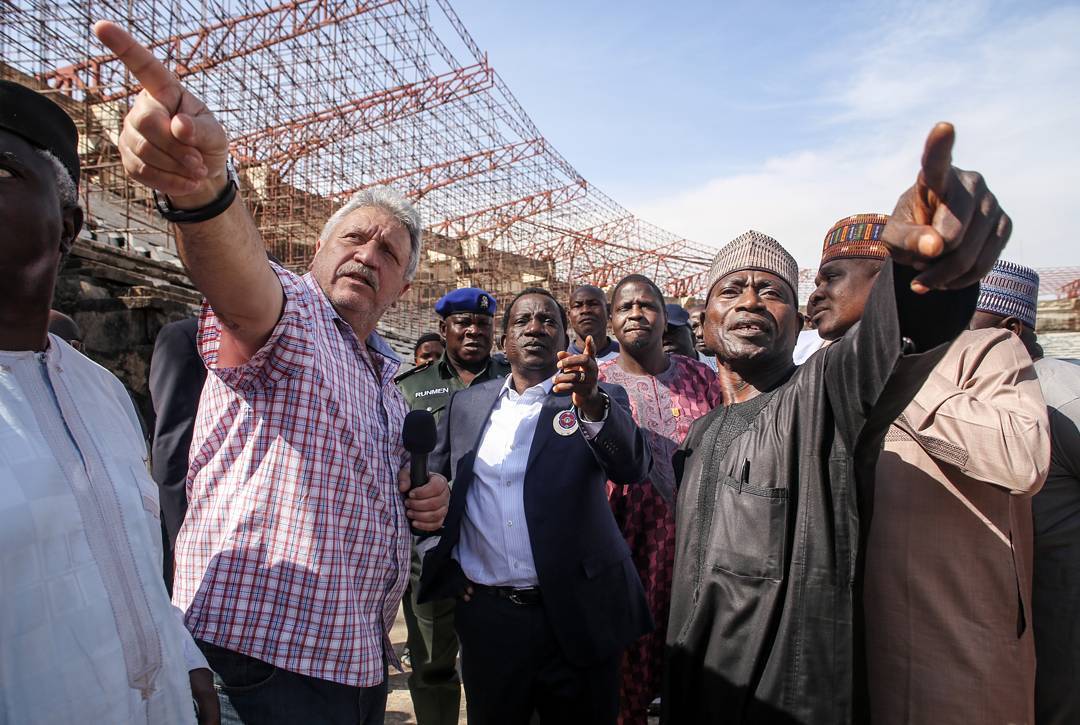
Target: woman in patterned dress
667,393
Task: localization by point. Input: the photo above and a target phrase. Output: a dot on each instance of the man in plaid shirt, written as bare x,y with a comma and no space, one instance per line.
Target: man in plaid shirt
295,551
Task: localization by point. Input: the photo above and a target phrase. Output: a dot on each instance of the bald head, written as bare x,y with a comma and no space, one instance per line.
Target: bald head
64,327
588,311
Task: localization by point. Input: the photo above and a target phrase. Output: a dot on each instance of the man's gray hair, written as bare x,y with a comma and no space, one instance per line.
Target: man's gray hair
65,185
67,194
393,202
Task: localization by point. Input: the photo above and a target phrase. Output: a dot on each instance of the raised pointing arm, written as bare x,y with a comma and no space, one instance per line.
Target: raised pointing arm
944,235
171,142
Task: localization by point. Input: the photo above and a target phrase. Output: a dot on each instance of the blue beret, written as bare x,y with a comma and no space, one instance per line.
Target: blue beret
677,316
466,299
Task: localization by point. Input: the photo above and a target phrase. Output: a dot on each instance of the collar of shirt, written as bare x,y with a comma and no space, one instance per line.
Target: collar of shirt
374,341
540,390
54,351
448,371
611,346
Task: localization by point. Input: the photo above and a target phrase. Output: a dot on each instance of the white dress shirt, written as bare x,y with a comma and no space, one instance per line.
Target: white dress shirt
809,342
88,632
494,547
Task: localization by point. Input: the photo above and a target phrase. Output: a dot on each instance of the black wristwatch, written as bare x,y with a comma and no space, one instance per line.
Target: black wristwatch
204,213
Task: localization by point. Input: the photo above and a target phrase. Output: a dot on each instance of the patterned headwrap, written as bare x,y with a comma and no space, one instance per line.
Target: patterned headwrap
1010,290
856,237
754,250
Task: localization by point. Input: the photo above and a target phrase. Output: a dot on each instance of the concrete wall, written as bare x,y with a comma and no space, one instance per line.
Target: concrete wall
1059,316
121,301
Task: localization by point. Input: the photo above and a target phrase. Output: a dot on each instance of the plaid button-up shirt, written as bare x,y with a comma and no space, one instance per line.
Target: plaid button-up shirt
295,549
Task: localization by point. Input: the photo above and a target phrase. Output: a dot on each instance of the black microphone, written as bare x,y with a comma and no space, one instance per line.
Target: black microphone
418,435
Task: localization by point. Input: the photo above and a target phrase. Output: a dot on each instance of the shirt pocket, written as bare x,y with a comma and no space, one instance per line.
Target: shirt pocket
749,532
146,488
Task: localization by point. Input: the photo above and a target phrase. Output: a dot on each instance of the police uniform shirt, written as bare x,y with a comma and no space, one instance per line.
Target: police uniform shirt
429,387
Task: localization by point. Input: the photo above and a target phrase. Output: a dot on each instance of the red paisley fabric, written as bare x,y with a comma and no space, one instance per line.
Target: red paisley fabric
664,406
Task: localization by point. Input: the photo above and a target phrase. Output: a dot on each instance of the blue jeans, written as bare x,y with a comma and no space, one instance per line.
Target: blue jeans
253,692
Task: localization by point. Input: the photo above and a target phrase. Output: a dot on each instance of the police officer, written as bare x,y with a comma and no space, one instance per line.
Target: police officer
467,326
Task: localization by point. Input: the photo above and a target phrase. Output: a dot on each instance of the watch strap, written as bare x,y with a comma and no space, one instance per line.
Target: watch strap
204,213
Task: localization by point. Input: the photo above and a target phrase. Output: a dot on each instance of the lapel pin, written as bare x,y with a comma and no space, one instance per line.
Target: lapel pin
565,423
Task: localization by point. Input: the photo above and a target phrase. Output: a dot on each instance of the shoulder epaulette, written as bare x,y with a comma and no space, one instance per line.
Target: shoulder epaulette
412,371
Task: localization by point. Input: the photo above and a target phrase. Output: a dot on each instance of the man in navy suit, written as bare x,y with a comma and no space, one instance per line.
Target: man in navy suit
550,597
177,374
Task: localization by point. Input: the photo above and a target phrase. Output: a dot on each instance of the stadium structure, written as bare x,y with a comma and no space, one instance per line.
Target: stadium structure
325,97
322,98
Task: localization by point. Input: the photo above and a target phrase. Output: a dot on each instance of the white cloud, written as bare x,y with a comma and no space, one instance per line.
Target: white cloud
1011,87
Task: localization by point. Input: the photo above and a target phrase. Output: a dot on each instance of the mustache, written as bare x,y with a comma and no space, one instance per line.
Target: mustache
355,269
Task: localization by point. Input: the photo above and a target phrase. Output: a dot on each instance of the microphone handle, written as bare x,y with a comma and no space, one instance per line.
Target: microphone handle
418,476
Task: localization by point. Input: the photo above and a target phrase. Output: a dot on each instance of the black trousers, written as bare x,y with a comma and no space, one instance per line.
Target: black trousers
511,666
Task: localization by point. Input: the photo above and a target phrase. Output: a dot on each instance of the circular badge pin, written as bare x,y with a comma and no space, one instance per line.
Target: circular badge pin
565,423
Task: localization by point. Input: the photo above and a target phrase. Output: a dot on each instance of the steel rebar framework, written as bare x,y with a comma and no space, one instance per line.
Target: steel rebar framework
322,98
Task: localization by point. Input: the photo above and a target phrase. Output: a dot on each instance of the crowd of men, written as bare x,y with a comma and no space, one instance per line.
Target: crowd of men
630,505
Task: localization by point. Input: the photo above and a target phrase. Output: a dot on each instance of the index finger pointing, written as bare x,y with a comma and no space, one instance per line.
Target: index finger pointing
937,158
590,347
148,70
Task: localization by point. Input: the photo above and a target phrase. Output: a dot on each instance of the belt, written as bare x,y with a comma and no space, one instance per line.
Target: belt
521,597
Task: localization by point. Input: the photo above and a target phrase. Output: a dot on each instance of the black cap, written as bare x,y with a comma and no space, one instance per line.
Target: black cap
30,115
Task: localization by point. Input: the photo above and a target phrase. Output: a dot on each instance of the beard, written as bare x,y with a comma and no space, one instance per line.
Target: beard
748,355
734,350
640,343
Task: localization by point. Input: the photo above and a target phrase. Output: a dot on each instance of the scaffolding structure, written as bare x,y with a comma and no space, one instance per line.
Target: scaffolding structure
321,98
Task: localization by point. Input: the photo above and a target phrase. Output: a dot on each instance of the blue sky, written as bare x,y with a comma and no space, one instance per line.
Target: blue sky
711,118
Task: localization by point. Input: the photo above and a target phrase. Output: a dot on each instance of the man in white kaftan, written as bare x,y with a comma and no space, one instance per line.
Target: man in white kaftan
89,633
87,630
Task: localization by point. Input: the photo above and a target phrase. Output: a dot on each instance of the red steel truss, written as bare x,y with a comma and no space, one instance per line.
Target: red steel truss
326,97
205,47
299,137
416,183
502,216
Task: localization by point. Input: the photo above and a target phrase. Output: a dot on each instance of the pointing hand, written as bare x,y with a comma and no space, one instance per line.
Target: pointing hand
170,141
948,225
579,375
